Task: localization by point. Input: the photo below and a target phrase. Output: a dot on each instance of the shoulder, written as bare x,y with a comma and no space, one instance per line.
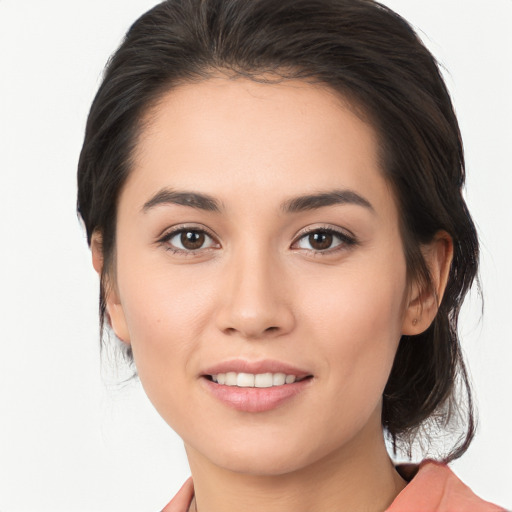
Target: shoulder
181,502
433,487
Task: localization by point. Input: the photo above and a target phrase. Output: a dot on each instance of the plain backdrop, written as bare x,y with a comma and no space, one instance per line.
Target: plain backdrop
70,438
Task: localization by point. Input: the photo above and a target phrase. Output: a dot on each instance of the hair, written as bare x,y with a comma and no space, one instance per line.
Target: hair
373,58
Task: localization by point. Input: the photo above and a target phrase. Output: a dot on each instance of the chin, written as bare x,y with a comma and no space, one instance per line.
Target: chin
263,455
263,463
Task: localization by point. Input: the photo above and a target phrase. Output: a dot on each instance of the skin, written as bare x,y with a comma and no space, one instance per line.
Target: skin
259,289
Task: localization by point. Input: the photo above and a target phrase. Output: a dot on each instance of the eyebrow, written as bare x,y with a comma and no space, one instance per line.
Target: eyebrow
298,204
330,198
168,196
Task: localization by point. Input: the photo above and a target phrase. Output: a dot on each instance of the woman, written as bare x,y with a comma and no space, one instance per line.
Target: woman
272,195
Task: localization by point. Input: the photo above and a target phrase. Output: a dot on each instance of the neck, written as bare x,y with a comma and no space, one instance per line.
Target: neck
358,477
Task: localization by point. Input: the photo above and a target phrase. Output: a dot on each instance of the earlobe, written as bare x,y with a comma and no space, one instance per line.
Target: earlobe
118,321
424,299
114,309
97,252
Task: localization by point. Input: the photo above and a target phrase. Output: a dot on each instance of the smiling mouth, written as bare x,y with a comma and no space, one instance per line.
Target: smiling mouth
258,386
258,380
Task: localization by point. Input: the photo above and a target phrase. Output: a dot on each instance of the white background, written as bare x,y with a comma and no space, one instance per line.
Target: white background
68,440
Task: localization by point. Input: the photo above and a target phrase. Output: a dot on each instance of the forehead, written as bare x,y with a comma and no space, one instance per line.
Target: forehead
222,136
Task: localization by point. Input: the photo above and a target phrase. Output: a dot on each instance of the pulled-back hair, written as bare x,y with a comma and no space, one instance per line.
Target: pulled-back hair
372,58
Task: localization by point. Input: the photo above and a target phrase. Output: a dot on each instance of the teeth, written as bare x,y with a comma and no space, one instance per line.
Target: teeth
278,379
263,380
251,380
230,379
245,380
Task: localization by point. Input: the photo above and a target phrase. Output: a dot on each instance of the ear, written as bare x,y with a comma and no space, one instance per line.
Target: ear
423,302
114,309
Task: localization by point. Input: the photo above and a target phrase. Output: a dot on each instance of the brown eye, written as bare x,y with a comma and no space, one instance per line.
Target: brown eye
320,241
324,240
189,240
192,240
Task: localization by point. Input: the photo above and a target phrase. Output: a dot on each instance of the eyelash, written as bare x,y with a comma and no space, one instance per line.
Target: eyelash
345,240
165,240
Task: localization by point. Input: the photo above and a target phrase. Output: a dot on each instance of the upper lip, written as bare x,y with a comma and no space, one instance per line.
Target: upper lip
255,367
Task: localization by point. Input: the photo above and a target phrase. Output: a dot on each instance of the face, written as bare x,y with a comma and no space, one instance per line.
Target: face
260,276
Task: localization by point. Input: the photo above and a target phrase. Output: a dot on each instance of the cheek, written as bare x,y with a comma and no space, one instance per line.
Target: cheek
164,326
357,320
165,313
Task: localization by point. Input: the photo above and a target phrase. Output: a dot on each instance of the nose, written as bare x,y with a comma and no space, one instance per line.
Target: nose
255,301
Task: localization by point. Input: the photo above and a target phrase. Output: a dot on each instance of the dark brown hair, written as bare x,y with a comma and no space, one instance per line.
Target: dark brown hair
372,57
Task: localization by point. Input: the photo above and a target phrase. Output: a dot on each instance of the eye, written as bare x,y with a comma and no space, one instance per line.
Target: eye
324,240
188,240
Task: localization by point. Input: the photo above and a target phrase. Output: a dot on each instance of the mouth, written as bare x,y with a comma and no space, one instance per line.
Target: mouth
258,380
256,386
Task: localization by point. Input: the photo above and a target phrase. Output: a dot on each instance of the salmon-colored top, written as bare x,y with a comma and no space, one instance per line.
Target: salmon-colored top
433,488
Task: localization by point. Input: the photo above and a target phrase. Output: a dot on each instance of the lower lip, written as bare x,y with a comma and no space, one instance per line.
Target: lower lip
255,399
